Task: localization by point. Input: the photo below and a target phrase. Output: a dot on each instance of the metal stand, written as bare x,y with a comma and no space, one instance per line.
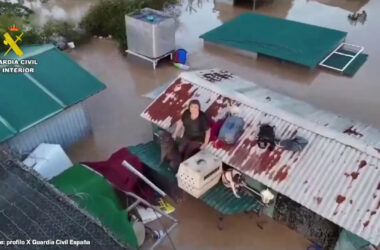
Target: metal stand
152,60
140,200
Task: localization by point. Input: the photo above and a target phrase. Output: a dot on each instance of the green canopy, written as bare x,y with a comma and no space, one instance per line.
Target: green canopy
95,195
292,41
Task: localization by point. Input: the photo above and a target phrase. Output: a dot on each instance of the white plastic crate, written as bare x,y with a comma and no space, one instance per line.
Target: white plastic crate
199,173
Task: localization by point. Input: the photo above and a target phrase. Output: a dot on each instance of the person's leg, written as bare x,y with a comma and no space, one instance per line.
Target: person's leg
192,148
183,147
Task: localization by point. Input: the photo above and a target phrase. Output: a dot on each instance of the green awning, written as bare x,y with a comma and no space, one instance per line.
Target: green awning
27,99
292,41
95,195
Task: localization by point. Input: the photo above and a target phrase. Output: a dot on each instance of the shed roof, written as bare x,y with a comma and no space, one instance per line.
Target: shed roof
296,42
57,83
337,175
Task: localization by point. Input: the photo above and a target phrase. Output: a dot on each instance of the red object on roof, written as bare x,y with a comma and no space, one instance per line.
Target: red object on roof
122,178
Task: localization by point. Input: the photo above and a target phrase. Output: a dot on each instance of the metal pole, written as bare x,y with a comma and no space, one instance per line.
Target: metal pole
151,206
141,176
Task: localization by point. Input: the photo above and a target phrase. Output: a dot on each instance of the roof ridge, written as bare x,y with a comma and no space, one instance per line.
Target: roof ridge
44,89
7,124
39,50
282,114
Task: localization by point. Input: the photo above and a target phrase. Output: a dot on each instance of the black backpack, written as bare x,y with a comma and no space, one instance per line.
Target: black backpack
266,137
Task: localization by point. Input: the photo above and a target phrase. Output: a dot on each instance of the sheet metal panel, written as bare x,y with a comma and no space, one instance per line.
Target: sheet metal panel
65,129
337,175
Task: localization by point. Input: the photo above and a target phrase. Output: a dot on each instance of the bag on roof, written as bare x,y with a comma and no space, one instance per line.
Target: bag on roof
266,137
296,144
231,129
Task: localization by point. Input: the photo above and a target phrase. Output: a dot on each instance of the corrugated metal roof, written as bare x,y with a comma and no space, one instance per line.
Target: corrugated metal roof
337,175
57,83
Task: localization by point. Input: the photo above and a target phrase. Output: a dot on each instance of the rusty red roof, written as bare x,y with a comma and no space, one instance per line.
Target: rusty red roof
337,175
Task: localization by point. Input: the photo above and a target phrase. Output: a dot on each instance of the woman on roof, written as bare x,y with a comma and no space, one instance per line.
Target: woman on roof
196,127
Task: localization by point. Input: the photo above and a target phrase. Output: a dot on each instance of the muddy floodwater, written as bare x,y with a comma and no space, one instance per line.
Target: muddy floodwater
114,113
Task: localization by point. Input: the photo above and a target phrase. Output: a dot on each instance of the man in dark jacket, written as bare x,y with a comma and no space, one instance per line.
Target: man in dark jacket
196,127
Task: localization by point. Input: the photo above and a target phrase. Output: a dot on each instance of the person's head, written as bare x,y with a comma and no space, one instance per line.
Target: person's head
194,107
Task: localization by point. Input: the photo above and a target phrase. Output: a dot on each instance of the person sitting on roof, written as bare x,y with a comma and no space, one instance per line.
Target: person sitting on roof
196,127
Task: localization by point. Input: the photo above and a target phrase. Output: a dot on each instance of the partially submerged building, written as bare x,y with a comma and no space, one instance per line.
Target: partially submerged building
331,187
45,106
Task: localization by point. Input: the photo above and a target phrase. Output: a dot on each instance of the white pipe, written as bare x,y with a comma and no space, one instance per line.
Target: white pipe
141,176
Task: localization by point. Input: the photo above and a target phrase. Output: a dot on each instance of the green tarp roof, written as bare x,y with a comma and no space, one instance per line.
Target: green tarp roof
94,194
57,83
292,41
5,132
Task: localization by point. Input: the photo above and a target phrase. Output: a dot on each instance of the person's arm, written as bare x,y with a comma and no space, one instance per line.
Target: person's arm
207,128
178,128
207,138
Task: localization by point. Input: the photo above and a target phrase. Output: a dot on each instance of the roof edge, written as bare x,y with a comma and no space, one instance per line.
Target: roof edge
39,50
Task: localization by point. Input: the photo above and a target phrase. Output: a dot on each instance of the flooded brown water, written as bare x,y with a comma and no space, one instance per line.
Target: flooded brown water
114,113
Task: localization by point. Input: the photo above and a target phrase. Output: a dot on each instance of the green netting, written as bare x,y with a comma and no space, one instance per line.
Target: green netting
65,78
95,195
288,40
22,103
